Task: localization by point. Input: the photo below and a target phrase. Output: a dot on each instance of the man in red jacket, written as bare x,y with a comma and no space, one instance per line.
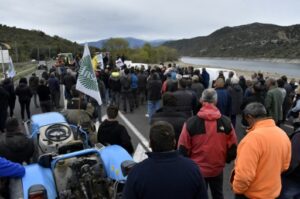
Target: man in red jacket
209,139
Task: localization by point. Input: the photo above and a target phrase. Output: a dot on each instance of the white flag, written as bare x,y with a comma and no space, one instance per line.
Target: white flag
11,70
119,63
87,81
100,61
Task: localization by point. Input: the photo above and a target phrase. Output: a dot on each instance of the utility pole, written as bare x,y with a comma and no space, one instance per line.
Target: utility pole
16,51
49,53
38,54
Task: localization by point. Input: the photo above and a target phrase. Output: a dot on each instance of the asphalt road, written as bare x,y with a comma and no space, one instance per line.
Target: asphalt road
138,128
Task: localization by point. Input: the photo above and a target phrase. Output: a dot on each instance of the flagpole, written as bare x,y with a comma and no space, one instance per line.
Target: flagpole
2,61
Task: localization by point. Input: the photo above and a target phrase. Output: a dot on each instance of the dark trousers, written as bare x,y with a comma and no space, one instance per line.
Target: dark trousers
25,104
55,96
127,97
135,97
45,106
3,117
216,186
11,105
143,95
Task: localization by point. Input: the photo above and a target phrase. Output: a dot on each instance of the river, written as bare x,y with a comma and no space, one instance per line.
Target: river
288,69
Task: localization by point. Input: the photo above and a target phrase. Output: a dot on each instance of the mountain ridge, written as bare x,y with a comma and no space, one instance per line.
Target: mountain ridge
255,40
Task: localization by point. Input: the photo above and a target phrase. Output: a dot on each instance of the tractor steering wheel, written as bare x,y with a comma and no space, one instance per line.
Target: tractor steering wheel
58,132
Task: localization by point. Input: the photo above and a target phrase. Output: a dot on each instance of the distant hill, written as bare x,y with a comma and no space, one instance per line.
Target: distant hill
29,44
255,40
133,42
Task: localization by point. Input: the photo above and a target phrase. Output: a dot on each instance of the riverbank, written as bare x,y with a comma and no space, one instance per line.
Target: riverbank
274,60
247,74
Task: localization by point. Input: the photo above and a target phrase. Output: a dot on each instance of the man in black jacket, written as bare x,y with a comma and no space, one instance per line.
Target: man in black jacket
169,114
165,173
3,107
44,94
33,84
154,93
8,85
186,100
14,145
111,132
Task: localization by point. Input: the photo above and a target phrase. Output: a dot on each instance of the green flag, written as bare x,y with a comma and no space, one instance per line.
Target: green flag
87,81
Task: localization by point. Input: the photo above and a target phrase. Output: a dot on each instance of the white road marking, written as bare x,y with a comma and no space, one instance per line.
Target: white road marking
138,134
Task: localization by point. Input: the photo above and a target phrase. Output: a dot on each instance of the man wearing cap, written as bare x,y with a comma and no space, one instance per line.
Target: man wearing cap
209,139
262,155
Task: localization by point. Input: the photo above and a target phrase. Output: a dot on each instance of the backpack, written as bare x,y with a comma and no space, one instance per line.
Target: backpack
126,83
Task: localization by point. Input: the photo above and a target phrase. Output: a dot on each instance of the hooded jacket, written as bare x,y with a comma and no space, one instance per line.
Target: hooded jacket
16,147
9,87
111,132
209,139
23,92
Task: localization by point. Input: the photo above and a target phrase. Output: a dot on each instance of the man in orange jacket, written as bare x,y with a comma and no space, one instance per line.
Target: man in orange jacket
262,155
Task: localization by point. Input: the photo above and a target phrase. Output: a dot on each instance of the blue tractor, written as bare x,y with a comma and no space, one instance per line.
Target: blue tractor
70,169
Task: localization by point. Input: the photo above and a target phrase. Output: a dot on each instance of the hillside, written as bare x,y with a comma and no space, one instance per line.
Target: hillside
133,42
31,44
249,41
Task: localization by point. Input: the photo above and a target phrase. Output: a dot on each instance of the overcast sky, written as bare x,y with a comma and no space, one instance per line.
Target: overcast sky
90,20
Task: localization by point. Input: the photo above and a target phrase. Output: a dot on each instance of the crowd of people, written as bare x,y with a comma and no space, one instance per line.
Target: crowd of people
193,127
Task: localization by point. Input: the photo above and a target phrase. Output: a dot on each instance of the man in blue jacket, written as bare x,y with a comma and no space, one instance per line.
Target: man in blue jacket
165,174
8,169
11,169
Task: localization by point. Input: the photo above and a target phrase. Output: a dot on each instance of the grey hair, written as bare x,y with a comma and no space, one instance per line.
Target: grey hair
256,110
209,95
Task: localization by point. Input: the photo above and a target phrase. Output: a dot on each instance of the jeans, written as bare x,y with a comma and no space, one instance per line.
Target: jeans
34,93
153,106
115,98
290,188
127,97
216,186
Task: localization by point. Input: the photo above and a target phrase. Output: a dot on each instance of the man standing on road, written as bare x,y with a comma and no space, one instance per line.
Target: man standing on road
126,91
164,174
169,114
224,99
111,132
154,93
54,89
210,140
33,84
3,107
274,101
262,155
44,94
